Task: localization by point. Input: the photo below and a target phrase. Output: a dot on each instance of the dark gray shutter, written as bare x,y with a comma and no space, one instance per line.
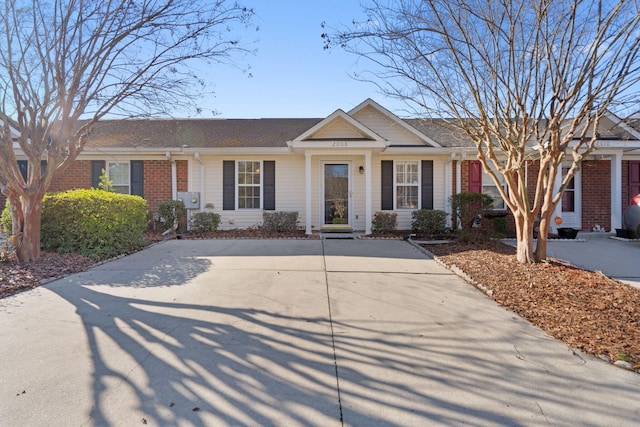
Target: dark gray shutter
387,185
269,176
228,185
137,174
24,168
96,170
427,184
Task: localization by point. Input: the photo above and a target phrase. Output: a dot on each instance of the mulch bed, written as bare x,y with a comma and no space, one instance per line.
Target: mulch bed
587,310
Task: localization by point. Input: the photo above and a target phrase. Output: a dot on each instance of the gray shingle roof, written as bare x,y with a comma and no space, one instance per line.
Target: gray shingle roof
197,133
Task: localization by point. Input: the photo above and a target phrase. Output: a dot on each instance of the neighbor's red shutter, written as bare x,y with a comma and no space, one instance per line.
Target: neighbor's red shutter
475,176
634,179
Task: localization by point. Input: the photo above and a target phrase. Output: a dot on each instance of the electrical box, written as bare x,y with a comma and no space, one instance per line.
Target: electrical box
190,199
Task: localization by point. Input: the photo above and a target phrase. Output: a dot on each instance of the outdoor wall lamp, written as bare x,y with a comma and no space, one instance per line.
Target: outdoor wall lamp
361,169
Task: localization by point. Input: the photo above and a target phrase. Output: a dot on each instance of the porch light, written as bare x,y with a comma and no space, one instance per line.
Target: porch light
361,169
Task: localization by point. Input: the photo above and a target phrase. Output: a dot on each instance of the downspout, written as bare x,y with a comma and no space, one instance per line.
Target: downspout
463,156
174,177
197,157
448,188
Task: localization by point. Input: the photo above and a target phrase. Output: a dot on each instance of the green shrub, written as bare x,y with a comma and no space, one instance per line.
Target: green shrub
473,235
467,206
428,221
500,227
6,219
384,222
279,222
173,213
94,223
205,222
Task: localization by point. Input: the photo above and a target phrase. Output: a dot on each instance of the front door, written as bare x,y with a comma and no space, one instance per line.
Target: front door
571,204
336,193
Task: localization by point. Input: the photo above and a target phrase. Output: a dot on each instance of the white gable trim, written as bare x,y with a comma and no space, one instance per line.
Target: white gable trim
371,103
369,134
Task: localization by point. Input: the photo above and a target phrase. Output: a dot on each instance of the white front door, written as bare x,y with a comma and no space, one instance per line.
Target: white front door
336,200
571,204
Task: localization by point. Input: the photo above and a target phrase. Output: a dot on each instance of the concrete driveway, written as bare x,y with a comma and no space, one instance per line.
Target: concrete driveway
289,333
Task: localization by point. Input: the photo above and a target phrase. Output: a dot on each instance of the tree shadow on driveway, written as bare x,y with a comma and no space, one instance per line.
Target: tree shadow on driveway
207,340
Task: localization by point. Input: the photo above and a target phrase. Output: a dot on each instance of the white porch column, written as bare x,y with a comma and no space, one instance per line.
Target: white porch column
367,193
553,227
307,192
616,191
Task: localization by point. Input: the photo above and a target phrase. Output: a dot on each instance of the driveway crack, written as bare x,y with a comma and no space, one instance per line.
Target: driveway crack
333,339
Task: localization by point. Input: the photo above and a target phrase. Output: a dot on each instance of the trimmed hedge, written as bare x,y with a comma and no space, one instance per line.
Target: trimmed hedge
428,222
384,222
204,222
467,206
279,222
93,223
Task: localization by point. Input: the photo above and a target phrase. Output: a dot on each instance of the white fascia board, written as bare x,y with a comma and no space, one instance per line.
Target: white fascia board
619,122
370,102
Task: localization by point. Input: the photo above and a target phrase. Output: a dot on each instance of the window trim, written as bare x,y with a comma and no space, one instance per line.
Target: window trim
491,183
128,168
238,185
417,185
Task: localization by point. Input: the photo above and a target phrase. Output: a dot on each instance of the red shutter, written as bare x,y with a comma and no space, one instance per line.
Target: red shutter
475,176
634,179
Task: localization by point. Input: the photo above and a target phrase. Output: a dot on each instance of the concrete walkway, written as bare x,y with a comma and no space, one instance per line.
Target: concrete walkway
613,257
289,333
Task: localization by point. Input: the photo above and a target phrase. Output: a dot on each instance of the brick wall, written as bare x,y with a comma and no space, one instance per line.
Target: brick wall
157,181
596,194
77,175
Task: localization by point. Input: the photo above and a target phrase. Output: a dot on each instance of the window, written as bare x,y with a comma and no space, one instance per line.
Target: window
248,185
407,184
118,174
489,188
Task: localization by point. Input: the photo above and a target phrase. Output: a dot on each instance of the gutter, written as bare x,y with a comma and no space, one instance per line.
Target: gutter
196,155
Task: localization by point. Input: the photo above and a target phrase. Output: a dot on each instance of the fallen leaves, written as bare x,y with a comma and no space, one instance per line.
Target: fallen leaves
587,310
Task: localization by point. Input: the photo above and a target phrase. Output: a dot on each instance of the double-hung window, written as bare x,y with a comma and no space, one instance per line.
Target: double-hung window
407,185
119,175
489,188
249,180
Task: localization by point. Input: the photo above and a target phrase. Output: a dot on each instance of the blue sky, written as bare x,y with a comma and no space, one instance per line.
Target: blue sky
292,76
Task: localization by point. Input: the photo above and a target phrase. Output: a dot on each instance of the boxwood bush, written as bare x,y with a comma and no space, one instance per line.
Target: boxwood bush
279,222
428,222
205,222
94,223
384,222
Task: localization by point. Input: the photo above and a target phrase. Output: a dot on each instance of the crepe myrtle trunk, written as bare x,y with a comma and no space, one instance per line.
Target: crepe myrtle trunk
26,212
524,236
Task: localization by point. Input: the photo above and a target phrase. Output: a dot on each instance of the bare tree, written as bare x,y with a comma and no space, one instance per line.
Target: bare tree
66,60
527,81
